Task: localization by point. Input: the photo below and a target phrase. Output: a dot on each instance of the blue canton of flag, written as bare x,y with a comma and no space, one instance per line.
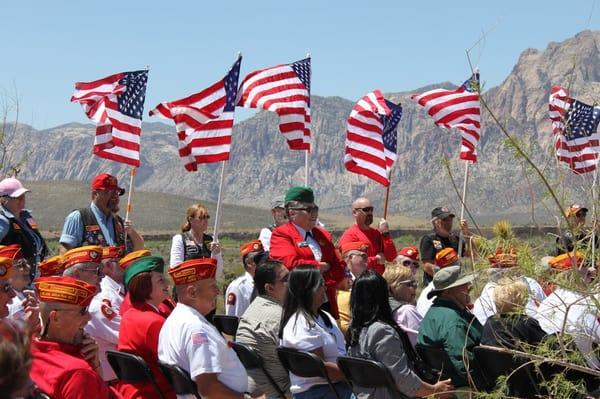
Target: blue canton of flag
231,85
390,123
582,120
131,102
302,69
472,84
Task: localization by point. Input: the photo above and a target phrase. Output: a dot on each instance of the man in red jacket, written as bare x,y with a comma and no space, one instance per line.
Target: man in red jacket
381,244
300,242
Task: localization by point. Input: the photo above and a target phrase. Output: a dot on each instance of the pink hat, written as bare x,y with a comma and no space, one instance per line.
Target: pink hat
12,187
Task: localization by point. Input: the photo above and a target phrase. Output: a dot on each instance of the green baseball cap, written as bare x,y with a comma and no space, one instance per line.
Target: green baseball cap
449,277
299,193
145,264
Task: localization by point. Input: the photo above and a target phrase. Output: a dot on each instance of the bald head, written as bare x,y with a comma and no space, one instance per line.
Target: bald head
362,210
200,295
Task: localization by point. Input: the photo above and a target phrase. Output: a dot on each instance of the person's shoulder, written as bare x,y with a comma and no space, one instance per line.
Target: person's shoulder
428,237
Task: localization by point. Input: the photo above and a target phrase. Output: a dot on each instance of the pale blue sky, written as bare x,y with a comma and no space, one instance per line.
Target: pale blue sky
356,46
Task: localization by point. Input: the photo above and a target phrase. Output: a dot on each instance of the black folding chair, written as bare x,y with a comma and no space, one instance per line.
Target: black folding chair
179,379
226,324
131,368
521,383
304,364
437,359
368,374
252,360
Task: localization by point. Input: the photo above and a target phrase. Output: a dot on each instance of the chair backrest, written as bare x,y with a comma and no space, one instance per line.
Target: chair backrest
437,359
252,360
226,324
179,379
129,367
367,373
493,364
303,364
248,356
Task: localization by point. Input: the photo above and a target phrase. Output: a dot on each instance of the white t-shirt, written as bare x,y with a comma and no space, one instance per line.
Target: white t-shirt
299,334
581,320
178,250
484,306
238,295
424,303
188,340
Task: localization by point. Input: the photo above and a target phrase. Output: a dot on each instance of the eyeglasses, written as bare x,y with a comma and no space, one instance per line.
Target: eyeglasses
82,312
409,263
308,209
581,214
6,288
409,283
97,270
203,217
348,273
366,209
284,279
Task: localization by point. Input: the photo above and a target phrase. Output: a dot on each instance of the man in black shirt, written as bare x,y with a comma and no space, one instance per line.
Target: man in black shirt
441,237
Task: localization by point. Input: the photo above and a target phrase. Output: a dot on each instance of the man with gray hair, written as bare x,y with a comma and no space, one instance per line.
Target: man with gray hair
84,263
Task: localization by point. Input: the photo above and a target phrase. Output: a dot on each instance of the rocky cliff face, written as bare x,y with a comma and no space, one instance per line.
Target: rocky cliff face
261,166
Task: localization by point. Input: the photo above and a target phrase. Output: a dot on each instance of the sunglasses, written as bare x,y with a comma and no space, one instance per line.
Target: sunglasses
409,283
203,217
284,279
82,312
6,288
409,263
97,270
347,273
308,209
366,209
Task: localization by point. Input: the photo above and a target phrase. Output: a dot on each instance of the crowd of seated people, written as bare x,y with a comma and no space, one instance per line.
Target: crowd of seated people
64,320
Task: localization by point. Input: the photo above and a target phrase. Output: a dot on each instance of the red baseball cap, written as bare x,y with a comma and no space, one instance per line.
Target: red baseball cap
411,252
105,182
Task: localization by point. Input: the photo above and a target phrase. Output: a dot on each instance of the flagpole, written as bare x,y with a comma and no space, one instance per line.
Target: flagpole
307,150
594,217
461,237
387,197
219,200
132,173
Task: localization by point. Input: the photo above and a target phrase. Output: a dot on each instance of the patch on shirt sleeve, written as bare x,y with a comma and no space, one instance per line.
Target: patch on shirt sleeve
107,310
231,299
199,338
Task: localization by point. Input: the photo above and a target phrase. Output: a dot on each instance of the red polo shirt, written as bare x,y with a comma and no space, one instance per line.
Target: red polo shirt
61,372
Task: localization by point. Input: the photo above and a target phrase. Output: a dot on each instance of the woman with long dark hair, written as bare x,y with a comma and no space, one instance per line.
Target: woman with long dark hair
304,326
373,334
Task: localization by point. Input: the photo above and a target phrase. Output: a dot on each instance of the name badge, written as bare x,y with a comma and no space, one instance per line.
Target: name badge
303,244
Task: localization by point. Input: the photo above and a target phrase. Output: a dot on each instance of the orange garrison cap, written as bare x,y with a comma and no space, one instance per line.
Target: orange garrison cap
85,254
12,251
566,261
252,246
64,289
354,246
503,259
194,270
6,265
128,259
53,266
113,252
446,257
410,252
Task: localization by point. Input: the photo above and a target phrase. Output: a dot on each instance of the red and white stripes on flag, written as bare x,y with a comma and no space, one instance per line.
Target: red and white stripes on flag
116,104
458,109
576,145
284,89
204,120
368,151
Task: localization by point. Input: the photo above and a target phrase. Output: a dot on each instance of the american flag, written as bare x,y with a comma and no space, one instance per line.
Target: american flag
204,120
575,126
284,89
116,104
371,140
458,109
